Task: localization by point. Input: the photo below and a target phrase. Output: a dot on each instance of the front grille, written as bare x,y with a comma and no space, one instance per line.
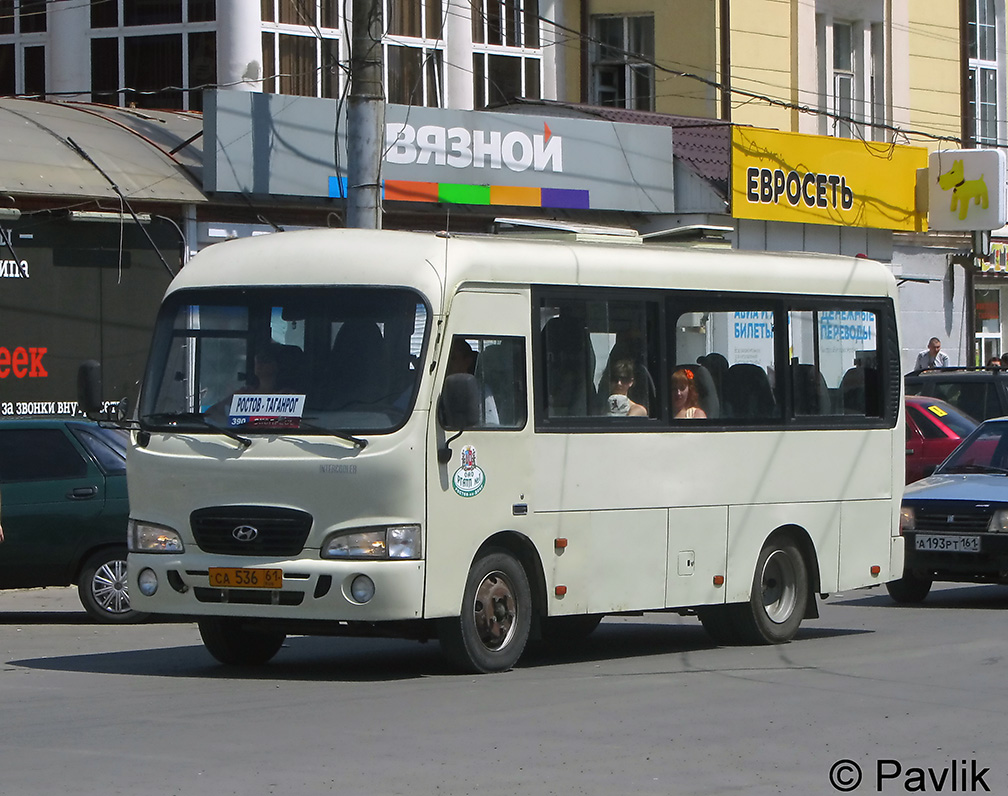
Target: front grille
962,521
248,596
278,531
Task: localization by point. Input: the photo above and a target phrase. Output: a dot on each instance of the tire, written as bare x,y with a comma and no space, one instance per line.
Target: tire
780,594
493,629
568,629
719,622
238,642
103,588
909,589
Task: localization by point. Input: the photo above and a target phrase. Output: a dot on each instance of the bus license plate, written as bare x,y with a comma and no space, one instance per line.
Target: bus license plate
934,543
239,578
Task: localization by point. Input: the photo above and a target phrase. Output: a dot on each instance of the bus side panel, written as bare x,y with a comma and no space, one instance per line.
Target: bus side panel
697,552
750,525
870,549
613,561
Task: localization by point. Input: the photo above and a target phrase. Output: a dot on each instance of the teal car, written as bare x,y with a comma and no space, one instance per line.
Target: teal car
65,509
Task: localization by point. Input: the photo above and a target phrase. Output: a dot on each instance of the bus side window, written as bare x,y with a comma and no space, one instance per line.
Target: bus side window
498,363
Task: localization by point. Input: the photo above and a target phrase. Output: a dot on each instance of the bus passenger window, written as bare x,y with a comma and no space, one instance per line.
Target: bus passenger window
498,363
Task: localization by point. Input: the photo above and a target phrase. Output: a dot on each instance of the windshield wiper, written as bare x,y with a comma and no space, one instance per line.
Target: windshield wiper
199,419
976,468
357,442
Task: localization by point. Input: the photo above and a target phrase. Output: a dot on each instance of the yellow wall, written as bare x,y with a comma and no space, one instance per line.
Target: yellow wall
934,70
686,35
762,62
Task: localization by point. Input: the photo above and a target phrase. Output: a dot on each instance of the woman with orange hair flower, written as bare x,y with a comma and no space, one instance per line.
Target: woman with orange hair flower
685,398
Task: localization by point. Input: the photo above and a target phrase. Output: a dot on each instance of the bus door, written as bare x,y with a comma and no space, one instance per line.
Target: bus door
483,486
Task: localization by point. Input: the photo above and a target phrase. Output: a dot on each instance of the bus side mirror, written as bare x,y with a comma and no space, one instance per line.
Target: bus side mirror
458,408
89,388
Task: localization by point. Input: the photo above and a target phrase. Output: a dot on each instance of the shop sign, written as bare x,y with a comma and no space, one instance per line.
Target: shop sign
812,179
282,145
966,190
997,262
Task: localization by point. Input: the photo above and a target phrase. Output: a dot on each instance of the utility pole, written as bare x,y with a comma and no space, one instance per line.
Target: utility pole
365,117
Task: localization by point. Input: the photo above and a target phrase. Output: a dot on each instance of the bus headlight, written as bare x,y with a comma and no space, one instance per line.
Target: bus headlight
908,520
389,542
998,522
146,537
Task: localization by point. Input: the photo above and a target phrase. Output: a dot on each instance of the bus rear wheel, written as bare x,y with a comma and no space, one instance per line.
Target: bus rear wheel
779,597
491,633
238,642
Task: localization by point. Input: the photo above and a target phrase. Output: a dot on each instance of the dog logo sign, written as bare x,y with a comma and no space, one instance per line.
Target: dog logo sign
963,191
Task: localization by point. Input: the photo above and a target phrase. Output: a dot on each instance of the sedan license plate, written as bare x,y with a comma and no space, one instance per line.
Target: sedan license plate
241,578
935,543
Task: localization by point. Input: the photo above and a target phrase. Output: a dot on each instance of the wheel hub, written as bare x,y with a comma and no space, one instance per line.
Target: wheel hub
495,610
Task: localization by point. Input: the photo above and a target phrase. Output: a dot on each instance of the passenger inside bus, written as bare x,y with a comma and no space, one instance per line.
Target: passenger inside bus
685,396
462,359
621,380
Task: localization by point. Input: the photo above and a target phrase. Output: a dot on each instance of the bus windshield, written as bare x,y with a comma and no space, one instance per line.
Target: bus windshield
320,360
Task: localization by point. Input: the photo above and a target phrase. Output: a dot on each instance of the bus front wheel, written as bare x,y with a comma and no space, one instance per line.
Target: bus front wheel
238,642
491,633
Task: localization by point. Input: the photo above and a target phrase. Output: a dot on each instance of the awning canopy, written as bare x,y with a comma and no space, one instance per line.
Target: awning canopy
152,156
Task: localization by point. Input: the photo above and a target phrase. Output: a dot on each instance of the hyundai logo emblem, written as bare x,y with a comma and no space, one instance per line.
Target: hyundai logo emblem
245,533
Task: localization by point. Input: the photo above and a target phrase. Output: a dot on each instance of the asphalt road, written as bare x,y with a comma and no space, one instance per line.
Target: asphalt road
645,706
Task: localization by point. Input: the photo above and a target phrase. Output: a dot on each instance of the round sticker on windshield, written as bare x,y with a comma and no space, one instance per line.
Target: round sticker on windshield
469,478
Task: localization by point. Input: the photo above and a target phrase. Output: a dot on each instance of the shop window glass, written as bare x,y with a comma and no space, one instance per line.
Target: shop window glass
297,12
202,66
269,63
32,15
105,71
404,18
298,66
153,70
8,83
151,12
7,17
330,13
202,10
35,72
505,77
405,75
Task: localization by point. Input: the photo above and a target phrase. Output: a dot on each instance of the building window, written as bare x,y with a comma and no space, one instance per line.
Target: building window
622,69
35,72
153,71
507,59
32,15
852,77
982,76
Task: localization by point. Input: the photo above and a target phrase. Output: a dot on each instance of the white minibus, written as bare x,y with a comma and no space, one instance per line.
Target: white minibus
487,439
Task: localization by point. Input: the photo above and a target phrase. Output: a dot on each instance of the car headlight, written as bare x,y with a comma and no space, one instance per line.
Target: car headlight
908,520
387,542
999,522
146,537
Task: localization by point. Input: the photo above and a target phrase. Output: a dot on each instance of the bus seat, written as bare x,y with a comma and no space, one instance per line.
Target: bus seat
291,369
747,392
811,395
717,364
706,392
852,392
496,368
570,367
357,370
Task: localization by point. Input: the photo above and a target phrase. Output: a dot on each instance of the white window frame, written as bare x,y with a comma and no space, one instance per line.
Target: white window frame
988,64
867,116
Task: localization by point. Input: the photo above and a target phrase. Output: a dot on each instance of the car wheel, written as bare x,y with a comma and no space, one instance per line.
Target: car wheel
909,589
103,589
493,629
239,642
